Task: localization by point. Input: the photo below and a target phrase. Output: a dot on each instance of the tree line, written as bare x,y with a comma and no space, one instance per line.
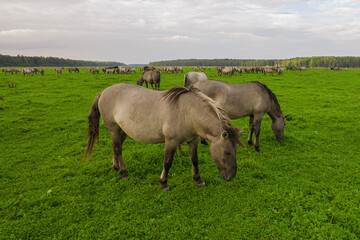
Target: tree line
24,61
327,62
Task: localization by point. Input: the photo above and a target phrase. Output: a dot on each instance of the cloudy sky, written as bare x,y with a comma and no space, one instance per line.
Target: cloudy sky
140,31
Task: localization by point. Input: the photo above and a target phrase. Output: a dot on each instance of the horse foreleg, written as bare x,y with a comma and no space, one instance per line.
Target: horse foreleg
251,129
194,160
118,136
257,125
170,149
203,141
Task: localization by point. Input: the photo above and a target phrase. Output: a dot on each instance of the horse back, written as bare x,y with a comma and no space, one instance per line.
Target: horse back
141,113
238,100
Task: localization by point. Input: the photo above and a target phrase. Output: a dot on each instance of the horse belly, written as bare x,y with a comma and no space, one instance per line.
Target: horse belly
237,108
141,129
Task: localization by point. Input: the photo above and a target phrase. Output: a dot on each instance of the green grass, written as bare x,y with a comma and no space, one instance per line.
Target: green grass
305,187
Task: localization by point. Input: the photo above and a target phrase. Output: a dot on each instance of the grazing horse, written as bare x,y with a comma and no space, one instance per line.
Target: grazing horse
8,70
121,70
191,78
152,77
58,70
226,71
130,70
28,71
177,115
251,99
170,69
73,69
110,70
94,70
148,68
268,70
179,69
238,69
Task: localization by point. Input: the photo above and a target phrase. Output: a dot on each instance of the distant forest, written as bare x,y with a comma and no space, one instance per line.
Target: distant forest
23,61
327,62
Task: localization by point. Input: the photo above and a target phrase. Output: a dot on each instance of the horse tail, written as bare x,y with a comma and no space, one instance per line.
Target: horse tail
93,131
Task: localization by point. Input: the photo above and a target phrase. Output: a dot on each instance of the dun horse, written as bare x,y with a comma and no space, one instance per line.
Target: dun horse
191,78
152,77
251,99
176,116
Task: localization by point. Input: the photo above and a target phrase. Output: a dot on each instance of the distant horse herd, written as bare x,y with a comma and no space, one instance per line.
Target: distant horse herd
230,71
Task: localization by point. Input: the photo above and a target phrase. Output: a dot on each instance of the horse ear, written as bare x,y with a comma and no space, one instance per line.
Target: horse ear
240,132
225,135
286,116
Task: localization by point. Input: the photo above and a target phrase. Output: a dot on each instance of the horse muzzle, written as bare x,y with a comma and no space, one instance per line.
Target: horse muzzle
226,175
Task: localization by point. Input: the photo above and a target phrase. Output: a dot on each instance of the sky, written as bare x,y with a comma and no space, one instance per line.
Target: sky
142,31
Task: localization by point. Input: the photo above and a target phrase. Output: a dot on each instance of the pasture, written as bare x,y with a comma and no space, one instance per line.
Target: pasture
304,187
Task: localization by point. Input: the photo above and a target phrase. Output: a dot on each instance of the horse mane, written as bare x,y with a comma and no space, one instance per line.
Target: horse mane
173,95
270,93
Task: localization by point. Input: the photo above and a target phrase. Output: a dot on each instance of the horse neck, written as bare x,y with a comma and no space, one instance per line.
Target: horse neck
140,81
275,111
206,122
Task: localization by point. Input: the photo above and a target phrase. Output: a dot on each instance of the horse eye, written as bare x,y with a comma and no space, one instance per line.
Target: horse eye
227,152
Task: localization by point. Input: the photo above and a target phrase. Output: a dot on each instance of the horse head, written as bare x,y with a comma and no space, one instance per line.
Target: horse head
140,81
223,151
278,125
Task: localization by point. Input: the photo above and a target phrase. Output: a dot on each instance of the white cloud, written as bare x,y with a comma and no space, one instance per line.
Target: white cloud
176,38
160,28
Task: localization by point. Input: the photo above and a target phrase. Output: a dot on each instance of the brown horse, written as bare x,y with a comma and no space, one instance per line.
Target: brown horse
128,109
152,77
251,99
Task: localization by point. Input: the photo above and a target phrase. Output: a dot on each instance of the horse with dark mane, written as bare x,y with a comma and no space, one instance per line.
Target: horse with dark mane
251,99
178,115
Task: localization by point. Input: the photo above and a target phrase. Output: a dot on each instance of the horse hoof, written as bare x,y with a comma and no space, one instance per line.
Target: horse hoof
258,150
125,178
202,184
167,188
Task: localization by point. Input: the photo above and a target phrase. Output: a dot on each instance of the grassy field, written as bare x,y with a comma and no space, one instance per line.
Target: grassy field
305,187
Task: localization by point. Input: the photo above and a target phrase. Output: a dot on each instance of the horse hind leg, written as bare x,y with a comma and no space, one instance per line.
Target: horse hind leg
251,130
257,125
118,137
